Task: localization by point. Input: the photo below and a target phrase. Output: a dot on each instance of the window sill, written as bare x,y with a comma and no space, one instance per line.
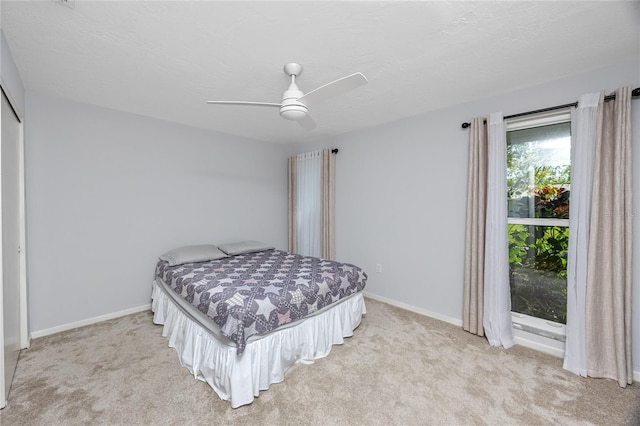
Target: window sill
548,329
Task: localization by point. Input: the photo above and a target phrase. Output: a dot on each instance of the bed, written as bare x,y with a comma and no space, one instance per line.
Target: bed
239,315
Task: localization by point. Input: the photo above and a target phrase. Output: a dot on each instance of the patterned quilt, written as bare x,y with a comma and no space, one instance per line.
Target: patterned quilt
255,293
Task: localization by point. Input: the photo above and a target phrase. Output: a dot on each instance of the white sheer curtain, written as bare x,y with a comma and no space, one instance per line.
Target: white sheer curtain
497,294
309,203
583,144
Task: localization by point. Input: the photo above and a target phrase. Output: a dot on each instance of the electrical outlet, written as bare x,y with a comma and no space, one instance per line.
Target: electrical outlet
378,267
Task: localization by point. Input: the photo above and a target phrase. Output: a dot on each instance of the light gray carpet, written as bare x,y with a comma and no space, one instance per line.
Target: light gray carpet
399,368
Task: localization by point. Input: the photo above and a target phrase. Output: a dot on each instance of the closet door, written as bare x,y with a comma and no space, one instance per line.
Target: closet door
10,177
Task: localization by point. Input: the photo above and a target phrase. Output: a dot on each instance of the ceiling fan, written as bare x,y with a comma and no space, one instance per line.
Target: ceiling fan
295,104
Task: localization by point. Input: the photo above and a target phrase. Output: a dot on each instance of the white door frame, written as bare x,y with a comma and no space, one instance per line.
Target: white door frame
25,338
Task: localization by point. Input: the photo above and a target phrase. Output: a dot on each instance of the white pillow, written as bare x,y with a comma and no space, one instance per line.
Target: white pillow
243,247
192,254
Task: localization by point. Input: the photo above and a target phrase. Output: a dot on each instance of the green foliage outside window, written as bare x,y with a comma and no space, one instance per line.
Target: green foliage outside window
538,270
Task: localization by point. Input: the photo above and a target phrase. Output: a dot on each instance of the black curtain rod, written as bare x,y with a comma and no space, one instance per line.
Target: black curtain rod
334,151
634,93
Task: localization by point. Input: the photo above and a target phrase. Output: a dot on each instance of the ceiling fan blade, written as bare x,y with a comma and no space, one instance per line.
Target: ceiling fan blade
335,88
307,123
269,104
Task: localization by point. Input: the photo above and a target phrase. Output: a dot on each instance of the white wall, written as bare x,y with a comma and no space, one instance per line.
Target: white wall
401,195
107,192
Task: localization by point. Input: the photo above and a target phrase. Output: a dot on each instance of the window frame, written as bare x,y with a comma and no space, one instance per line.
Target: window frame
523,322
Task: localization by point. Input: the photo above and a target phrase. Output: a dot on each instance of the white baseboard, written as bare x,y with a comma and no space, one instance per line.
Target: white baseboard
88,321
455,321
415,309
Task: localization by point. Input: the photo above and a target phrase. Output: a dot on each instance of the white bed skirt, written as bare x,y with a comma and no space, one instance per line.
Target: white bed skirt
239,379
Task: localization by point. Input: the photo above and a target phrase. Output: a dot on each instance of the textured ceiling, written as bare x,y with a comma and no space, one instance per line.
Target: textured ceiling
165,59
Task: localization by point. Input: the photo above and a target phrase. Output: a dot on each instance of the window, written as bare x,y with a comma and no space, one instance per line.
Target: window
538,188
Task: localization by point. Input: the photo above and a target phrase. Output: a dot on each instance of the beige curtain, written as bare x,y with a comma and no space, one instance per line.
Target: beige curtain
327,225
475,229
608,298
293,229
328,204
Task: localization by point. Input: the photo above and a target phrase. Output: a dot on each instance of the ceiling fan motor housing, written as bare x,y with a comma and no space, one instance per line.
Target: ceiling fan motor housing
292,109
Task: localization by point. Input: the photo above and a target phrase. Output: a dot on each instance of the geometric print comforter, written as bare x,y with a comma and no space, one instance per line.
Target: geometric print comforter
255,293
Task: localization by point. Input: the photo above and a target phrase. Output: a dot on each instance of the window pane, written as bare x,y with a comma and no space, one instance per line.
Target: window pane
538,270
538,171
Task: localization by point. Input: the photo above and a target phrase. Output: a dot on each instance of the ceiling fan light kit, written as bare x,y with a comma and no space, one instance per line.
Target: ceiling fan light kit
293,112
295,104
